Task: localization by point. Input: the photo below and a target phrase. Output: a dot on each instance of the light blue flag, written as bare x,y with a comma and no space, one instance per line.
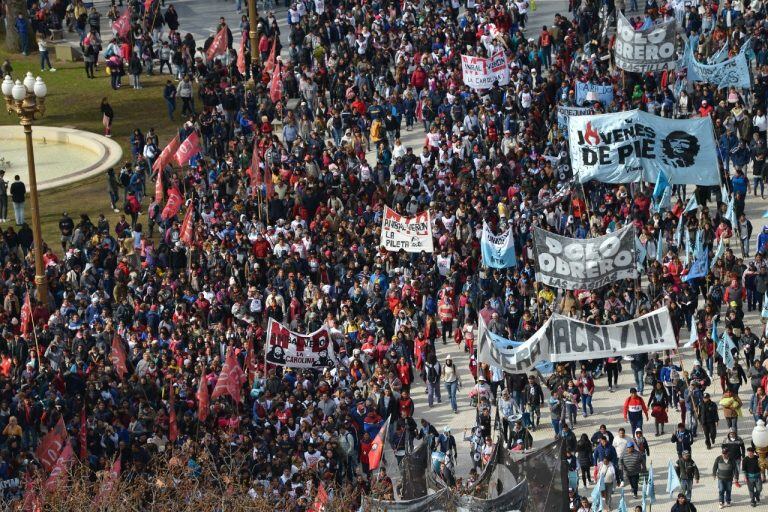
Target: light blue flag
679,233
642,254
660,246
718,254
651,486
503,345
699,247
764,312
673,481
693,204
597,497
700,268
714,330
724,194
720,55
688,247
644,490
726,354
622,502
727,341
693,338
765,215
662,184
730,213
497,251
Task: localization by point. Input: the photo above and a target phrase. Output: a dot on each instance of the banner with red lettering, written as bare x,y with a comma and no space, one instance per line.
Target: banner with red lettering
288,348
173,205
122,25
166,154
411,234
189,148
219,44
50,447
231,378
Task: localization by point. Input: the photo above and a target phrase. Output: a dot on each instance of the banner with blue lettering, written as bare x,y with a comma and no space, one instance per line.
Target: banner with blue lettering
564,113
604,93
497,251
733,72
632,146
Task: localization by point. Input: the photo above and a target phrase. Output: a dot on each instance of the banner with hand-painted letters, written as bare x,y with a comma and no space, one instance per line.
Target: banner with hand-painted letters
287,348
411,234
575,264
564,113
497,251
733,72
632,146
481,73
643,51
562,339
603,93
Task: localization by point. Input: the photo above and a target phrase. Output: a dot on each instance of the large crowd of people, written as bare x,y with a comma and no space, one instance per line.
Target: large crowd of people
287,195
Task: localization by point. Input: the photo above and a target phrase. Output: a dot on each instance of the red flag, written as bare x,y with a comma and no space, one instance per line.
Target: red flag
117,357
50,446
204,401
270,64
241,56
230,379
268,181
33,502
122,25
256,177
276,85
109,482
166,154
250,363
83,434
377,448
189,148
219,44
187,235
173,205
159,186
27,323
173,427
147,5
60,470
321,499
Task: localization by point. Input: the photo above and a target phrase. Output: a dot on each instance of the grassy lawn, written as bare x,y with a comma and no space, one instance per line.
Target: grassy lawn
73,101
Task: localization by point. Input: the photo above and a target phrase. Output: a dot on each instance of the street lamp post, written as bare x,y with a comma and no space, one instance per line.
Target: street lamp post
26,99
252,33
760,440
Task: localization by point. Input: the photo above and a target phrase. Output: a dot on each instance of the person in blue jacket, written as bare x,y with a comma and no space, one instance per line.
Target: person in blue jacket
762,240
22,27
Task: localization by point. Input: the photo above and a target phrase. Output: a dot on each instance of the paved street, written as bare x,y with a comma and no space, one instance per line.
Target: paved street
199,17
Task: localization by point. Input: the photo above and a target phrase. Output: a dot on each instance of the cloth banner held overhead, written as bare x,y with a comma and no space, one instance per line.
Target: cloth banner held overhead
643,51
288,348
634,146
492,349
733,72
574,263
411,234
604,93
481,73
497,251
564,113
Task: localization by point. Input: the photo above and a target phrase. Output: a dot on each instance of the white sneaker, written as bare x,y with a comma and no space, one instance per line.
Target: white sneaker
52,70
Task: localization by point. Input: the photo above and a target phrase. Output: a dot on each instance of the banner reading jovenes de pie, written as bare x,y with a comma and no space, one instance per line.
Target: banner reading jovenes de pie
411,234
288,348
574,263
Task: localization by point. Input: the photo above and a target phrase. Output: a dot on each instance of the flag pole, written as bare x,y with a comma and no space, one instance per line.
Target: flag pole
34,331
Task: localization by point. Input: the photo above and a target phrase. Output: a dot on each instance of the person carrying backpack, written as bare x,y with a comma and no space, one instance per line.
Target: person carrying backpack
431,375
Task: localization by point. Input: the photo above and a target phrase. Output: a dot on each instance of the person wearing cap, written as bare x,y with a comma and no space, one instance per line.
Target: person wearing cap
750,465
634,409
723,470
709,418
687,471
446,444
632,464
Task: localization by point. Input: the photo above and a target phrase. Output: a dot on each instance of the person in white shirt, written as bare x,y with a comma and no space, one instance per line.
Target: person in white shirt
607,472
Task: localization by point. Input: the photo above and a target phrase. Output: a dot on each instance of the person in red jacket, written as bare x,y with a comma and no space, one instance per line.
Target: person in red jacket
365,447
406,405
634,408
405,374
419,78
447,312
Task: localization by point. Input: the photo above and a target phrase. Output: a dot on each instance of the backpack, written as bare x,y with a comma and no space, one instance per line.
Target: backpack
431,374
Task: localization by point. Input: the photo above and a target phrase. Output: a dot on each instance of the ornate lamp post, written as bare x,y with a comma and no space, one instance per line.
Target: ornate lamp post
252,35
26,99
760,440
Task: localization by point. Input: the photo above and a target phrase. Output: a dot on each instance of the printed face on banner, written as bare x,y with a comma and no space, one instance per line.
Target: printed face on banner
288,348
572,263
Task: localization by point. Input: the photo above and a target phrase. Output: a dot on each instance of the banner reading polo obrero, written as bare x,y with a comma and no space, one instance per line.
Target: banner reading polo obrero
643,51
411,234
288,348
481,73
631,146
575,264
497,251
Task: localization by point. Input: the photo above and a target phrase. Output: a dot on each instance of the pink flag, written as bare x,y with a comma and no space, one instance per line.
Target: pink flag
241,57
219,44
60,470
173,205
230,379
276,85
122,25
189,148
187,227
108,485
50,447
27,321
270,64
33,502
203,399
159,186
117,357
166,154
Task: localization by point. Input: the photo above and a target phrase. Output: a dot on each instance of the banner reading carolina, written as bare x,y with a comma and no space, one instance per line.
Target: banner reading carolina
631,146
288,348
411,234
641,51
481,73
574,263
